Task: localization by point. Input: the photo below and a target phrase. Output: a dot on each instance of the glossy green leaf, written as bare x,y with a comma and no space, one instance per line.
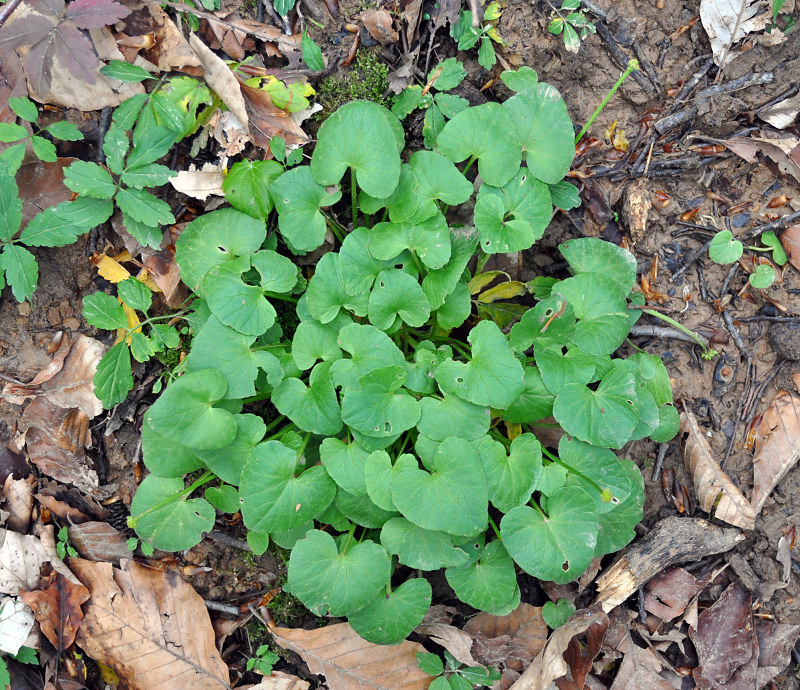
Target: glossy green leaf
128,111
376,407
558,368
228,461
113,379
370,349
564,195
362,267
420,548
247,186
431,664
89,179
273,498
668,424
482,132
150,144
314,408
278,273
558,547
437,179
359,136
555,615
48,229
390,618
378,473
513,478
394,294
452,416
492,377
334,582
24,108
125,72
489,584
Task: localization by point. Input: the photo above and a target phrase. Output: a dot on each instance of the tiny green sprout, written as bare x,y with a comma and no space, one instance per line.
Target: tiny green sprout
573,26
263,661
467,34
63,547
762,277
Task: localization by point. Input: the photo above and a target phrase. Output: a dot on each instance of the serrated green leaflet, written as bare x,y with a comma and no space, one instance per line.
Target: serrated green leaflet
595,470
227,462
104,311
89,179
452,416
451,498
135,294
397,294
66,131
361,510
550,322
115,146
314,408
24,108
147,175
144,208
369,348
150,144
44,149
376,407
450,74
492,377
606,417
358,136
273,498
141,346
333,582
169,525
489,584
420,548
48,229
345,464
513,478
592,255
481,133
391,617
534,403
186,412
538,116
86,212
124,71
113,380
557,547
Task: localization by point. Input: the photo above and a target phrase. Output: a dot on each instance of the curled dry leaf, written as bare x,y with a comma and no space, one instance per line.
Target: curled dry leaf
456,641
790,240
776,444
379,25
99,541
728,21
57,607
581,654
166,275
349,662
524,630
150,626
784,152
639,669
266,120
711,484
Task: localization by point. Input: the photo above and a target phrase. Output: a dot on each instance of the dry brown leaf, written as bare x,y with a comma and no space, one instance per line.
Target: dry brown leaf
784,152
550,664
782,114
456,641
99,541
668,594
710,482
21,557
150,626
524,627
349,662
379,25
639,670
166,275
790,239
279,681
200,184
775,643
41,185
776,444
265,120
57,607
16,624
19,501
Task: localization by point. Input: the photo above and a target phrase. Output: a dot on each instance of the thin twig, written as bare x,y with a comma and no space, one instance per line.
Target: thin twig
776,319
219,607
622,60
692,258
649,331
779,224
8,10
228,540
662,453
737,339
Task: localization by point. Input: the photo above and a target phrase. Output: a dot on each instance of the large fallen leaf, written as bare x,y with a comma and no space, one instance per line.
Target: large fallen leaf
379,25
454,640
715,491
775,644
668,594
728,21
41,185
776,444
783,114
349,662
21,557
16,622
639,670
784,152
524,629
99,541
57,607
790,240
150,626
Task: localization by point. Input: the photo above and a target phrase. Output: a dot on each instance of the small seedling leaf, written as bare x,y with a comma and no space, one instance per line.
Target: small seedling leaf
724,249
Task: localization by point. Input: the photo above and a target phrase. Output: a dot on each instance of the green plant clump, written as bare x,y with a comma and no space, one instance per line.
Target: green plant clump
406,406
366,80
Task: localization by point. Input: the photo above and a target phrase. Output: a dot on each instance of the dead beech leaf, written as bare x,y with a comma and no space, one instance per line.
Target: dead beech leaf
784,152
19,501
668,594
16,623
639,670
379,25
21,557
790,240
349,662
99,541
57,607
41,185
710,482
524,628
279,681
456,641
265,120
166,275
150,626
782,114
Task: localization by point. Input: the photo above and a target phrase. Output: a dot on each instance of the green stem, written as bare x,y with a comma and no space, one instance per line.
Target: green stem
702,342
276,295
554,458
496,530
633,65
469,165
353,196
206,477
336,227
349,538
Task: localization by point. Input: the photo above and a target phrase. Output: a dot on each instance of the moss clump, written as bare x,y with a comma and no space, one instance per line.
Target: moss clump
365,80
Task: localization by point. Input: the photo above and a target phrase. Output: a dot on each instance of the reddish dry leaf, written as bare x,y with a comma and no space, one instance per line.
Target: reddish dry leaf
523,628
725,638
57,607
639,670
70,505
165,273
668,594
713,487
784,152
41,185
99,541
266,120
379,25
12,463
790,239
775,644
580,655
150,626
349,662
776,444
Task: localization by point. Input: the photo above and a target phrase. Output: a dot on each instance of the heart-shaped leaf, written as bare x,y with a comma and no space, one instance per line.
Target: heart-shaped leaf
326,295
597,471
227,462
420,548
314,408
513,478
345,464
559,368
534,403
369,348
428,239
490,583
615,528
378,477
391,617
397,294
550,322
247,186
593,255
312,341
437,180
452,416
555,615
241,306
165,458
440,283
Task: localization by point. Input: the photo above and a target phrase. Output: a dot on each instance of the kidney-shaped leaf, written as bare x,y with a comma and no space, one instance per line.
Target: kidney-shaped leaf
314,408
397,294
488,584
593,255
391,617
420,548
247,186
597,471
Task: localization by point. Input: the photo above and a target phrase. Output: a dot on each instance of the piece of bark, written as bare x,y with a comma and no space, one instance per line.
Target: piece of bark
673,540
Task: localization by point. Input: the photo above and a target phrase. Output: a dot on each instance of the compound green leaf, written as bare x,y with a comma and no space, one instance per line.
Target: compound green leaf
615,528
452,416
113,379
326,295
213,239
534,403
227,462
147,175
142,347
493,377
512,478
143,207
150,144
298,199
86,212
21,270
370,349
238,305
48,229
482,132
89,179
408,100
489,584
24,108
125,72
11,159
273,499
451,498
135,294
165,458
420,548
10,132
345,464
550,322
361,510
557,547
437,179
175,525
313,341
593,255
336,583
185,411
390,618
360,136
394,294
597,471
375,407
314,408
247,186
538,116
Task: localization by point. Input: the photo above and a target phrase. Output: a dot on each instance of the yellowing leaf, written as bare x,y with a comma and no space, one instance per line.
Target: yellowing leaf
513,430
609,133
133,321
481,280
111,269
512,288
620,141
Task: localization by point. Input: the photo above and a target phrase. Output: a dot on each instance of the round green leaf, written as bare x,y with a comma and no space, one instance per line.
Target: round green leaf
597,471
534,403
615,528
397,294
606,417
558,368
437,180
165,458
273,499
314,408
452,416
135,294
224,498
378,476
558,547
428,239
278,273
513,478
362,265
564,195
185,412
390,618
669,424
420,548
451,498
555,615
438,284
358,136
238,305
176,525
520,79
482,133
593,255
763,277
336,583
456,308
493,376
247,186
539,119
370,349
345,464
312,341
227,462
326,295
361,510
489,584
724,249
